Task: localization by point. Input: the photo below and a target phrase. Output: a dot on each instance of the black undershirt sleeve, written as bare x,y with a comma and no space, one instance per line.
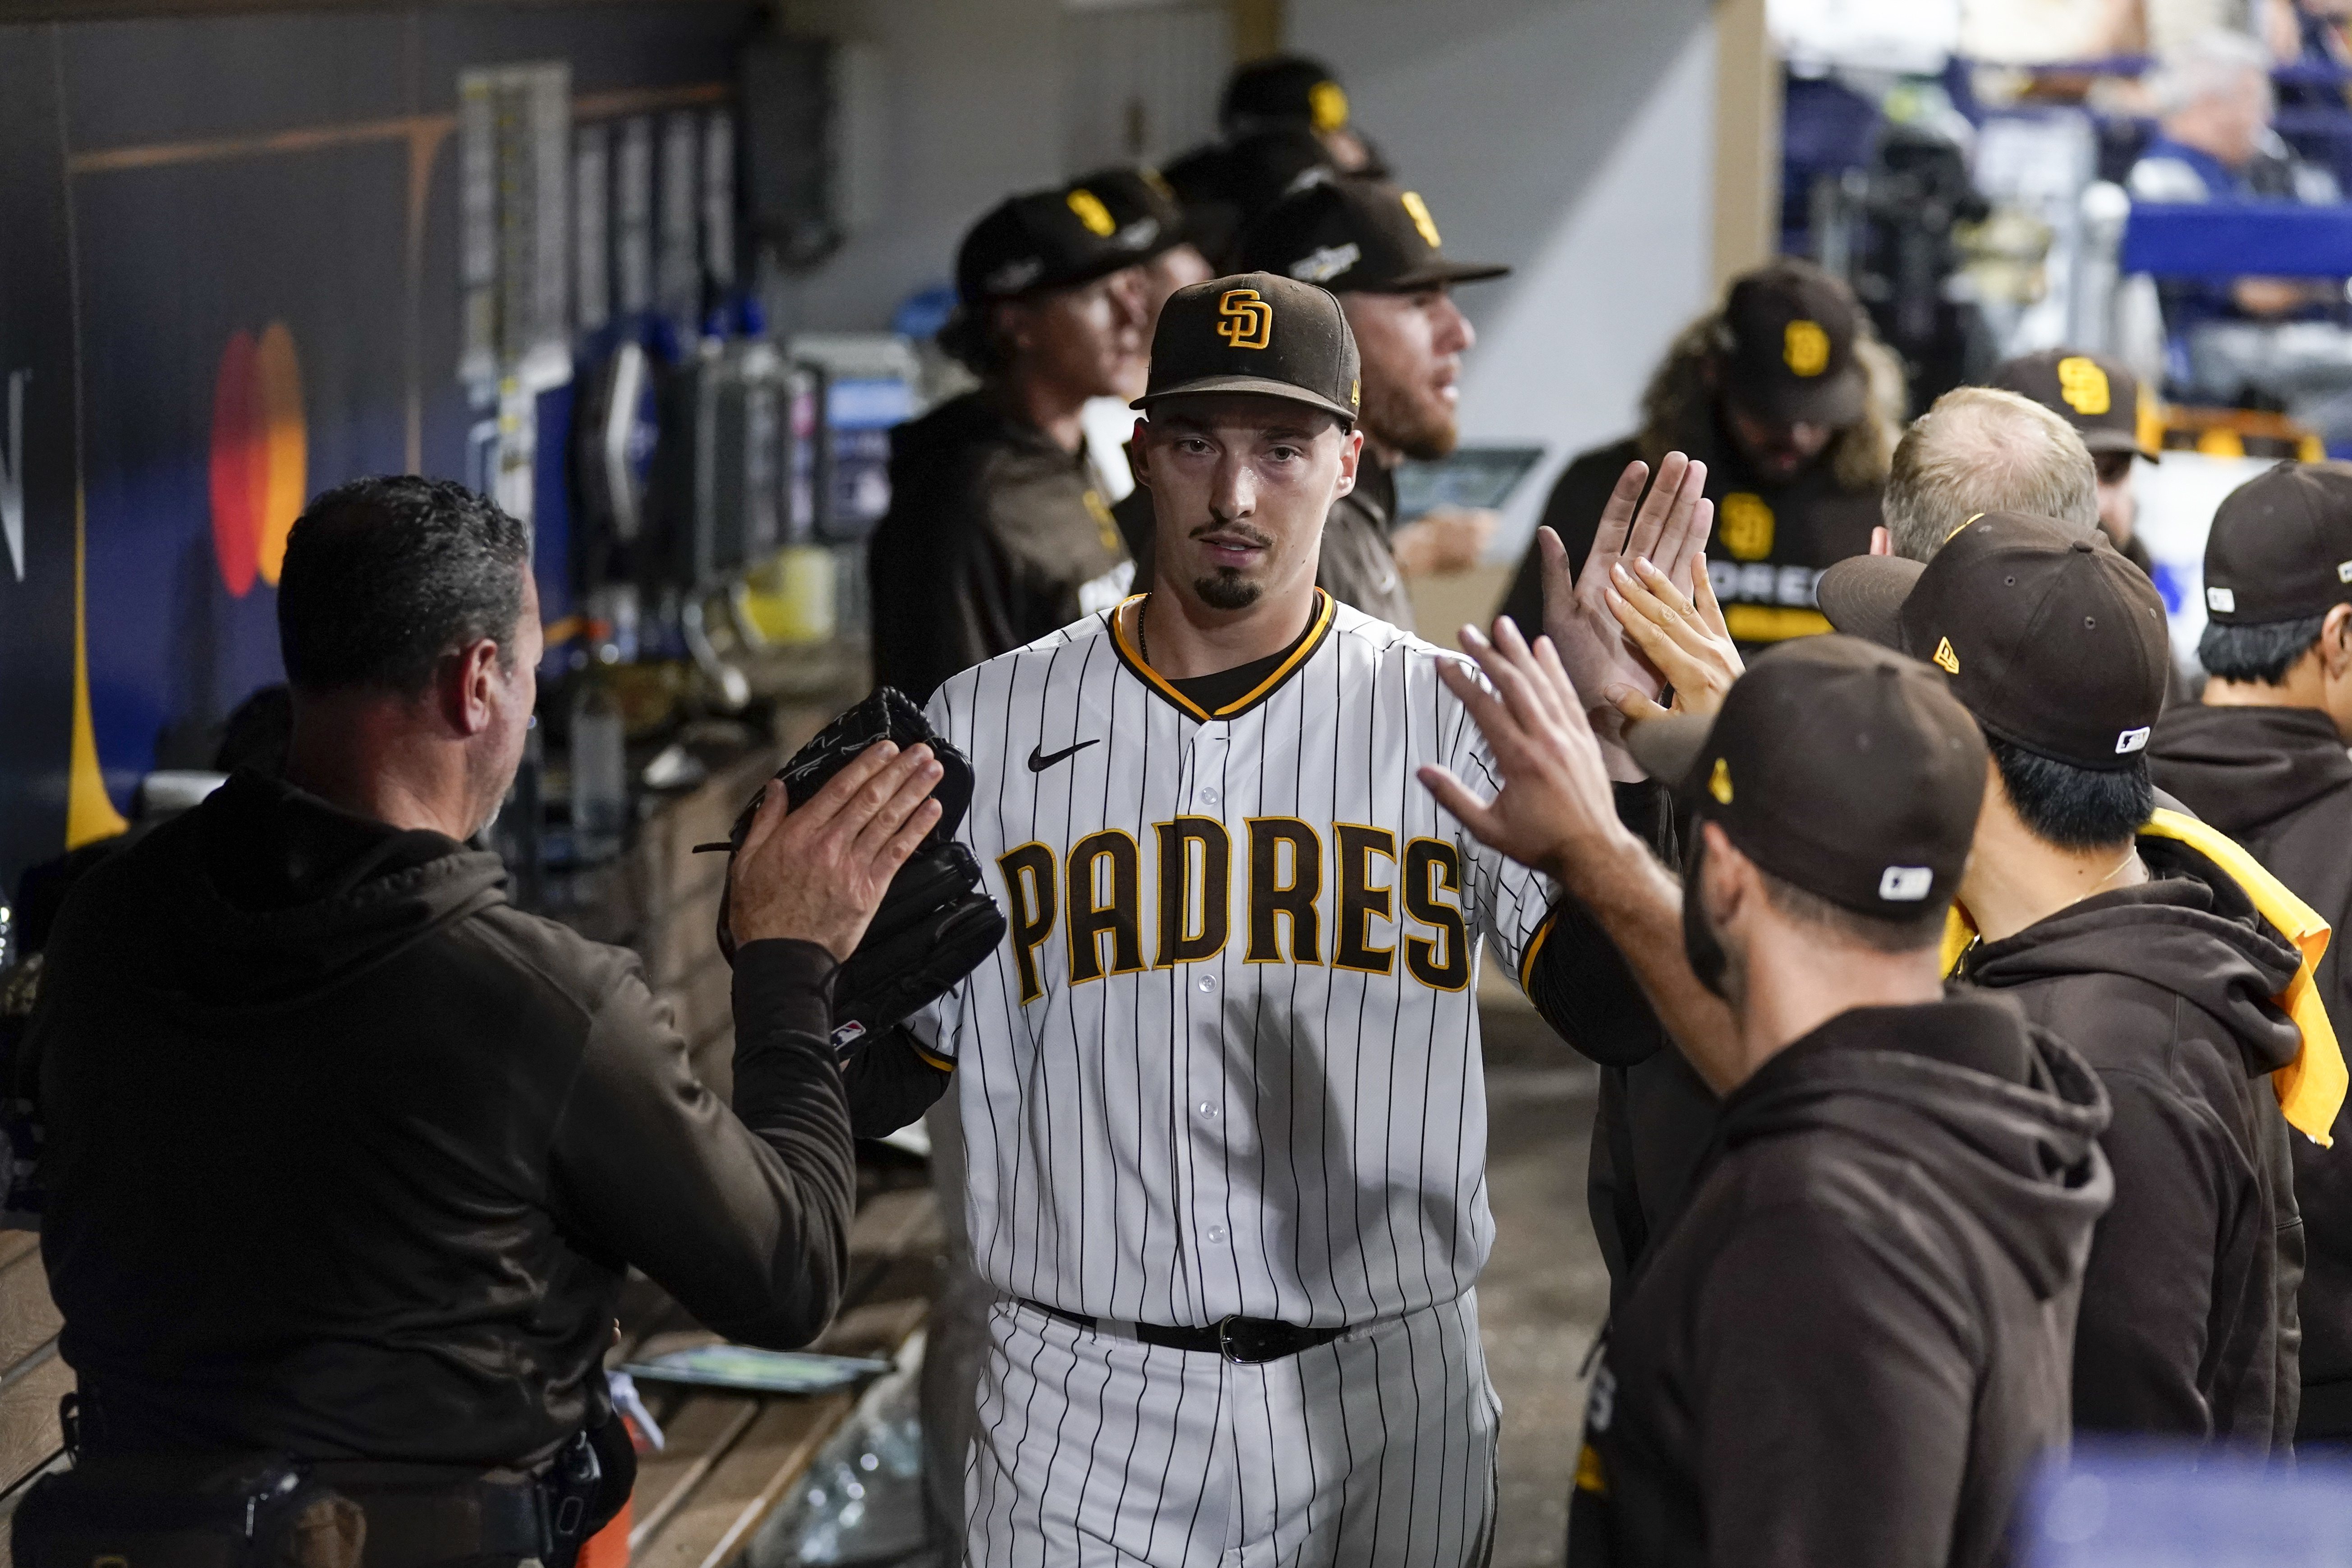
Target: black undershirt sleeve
890,1083
1579,981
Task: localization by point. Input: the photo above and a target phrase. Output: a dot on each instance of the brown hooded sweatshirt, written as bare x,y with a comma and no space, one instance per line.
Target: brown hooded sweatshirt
348,1158
2279,782
2189,1323
1854,1343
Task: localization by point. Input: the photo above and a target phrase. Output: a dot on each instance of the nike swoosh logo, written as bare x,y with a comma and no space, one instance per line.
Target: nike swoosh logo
1039,761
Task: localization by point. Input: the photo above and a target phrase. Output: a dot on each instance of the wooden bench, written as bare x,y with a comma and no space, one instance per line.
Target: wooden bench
33,1377
731,1459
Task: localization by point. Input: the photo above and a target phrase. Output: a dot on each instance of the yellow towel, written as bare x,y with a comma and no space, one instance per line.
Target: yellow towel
2311,1087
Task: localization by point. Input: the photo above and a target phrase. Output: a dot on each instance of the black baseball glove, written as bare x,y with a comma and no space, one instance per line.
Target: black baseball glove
934,925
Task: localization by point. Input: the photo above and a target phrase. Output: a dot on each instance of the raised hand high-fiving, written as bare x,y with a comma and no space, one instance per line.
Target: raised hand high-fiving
1668,528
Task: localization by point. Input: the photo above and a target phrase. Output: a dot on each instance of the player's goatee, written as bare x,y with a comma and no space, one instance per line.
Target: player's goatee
1227,590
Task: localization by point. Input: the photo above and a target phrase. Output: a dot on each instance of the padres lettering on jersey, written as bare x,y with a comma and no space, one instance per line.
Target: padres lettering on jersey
1226,1059
1190,898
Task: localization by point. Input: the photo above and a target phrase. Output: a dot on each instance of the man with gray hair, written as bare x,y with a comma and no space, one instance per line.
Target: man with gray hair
2214,142
1980,451
2213,139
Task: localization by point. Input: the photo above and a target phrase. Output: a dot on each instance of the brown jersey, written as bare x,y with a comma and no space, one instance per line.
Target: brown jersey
995,537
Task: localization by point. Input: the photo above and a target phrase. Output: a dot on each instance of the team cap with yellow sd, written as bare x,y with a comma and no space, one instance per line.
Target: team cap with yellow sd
2107,405
1040,239
1258,333
1357,235
1791,330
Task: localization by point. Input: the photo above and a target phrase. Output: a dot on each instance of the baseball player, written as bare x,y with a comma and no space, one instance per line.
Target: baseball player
1221,1086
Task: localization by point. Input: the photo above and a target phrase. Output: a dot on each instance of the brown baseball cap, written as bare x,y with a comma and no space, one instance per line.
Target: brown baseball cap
1793,328
2055,641
1041,239
1286,91
1839,767
2281,548
1147,219
2098,397
1355,233
1256,333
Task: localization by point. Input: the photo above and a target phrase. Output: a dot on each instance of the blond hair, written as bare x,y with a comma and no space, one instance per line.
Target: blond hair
1977,450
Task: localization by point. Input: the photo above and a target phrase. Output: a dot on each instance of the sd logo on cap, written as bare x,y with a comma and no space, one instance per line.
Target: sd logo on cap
2084,386
1806,348
1245,320
1258,333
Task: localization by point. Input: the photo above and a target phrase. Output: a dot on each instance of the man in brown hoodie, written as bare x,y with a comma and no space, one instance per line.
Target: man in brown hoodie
1874,1278
2114,926
2263,759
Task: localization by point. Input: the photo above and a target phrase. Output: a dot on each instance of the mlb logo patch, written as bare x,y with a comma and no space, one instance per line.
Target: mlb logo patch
2131,740
2224,601
1905,884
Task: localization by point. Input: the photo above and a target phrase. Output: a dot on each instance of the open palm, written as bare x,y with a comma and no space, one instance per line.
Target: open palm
1668,528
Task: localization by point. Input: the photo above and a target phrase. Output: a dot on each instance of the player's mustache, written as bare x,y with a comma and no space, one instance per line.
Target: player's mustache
1249,536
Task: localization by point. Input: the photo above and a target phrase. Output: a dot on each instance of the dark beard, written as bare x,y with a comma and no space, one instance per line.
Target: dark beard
1711,963
1226,590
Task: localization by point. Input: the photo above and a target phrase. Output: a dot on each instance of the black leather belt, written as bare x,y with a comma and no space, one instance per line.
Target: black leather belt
418,1517
1247,1341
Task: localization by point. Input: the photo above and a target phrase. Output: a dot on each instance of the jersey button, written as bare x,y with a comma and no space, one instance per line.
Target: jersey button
1208,797
1207,983
1214,1235
1208,1111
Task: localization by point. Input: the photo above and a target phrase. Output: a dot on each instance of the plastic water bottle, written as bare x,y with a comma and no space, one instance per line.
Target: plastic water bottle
600,770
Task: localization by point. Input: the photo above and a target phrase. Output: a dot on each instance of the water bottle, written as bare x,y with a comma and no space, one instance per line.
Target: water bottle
600,774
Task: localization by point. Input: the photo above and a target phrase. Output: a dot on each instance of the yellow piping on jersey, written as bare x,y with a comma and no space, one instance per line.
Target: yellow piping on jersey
2311,1087
1535,945
945,1064
1306,650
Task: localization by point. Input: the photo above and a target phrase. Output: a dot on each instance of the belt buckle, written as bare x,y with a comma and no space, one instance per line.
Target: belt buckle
1239,1344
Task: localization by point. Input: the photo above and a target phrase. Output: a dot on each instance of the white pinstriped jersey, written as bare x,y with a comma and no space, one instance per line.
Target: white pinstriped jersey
1226,1060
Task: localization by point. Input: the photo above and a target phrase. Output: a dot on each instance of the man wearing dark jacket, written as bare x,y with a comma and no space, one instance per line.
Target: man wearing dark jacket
998,532
1853,1344
348,1157
2115,928
2263,759
1794,408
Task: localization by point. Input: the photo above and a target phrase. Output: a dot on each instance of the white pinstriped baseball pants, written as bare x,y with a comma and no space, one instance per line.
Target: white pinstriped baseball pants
1097,1451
